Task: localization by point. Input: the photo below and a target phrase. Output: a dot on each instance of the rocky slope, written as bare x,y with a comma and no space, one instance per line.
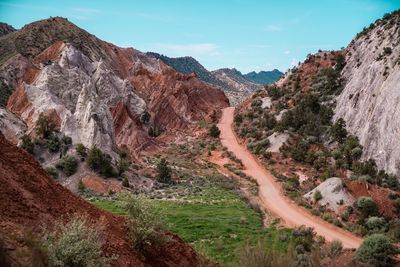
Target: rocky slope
97,93
263,77
369,102
240,87
30,199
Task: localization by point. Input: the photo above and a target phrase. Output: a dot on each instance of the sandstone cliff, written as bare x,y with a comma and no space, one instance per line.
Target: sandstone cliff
98,93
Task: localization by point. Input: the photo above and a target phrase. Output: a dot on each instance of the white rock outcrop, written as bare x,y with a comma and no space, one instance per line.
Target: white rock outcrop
333,194
370,101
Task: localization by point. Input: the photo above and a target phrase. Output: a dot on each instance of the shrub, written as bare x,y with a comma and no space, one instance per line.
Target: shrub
27,144
123,165
81,186
52,172
125,182
144,221
66,140
214,131
396,205
164,172
238,119
68,164
44,126
392,182
75,243
81,150
375,223
387,50
317,195
100,162
260,255
367,206
376,250
53,143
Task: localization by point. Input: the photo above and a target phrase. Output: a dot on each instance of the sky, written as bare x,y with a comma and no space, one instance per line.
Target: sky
244,34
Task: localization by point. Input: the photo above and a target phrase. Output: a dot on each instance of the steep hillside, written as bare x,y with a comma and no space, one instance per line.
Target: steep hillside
30,200
263,77
369,102
97,93
6,29
240,88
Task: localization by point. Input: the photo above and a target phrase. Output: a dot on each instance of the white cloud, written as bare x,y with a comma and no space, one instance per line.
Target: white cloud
287,52
81,13
273,28
188,49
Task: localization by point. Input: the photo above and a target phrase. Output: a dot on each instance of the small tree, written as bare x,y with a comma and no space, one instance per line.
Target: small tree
338,130
123,165
214,131
53,143
68,164
164,172
44,126
376,250
367,206
317,195
27,144
81,150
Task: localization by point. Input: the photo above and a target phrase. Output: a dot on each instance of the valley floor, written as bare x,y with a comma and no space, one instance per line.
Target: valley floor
272,195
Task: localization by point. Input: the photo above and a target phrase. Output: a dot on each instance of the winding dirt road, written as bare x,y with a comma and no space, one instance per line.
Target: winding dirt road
271,193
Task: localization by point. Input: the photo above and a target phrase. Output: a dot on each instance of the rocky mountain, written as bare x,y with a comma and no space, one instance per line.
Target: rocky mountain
239,86
31,200
95,92
189,65
263,77
369,102
6,29
235,85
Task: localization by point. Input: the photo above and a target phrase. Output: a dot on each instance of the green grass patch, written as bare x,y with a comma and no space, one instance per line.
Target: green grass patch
216,221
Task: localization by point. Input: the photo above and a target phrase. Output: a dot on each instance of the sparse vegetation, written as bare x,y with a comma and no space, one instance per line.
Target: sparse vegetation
144,223
75,243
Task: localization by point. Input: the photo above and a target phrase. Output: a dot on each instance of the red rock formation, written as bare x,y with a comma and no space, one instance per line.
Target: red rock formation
31,199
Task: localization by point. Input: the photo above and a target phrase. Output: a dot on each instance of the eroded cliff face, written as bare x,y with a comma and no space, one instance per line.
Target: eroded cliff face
97,93
370,100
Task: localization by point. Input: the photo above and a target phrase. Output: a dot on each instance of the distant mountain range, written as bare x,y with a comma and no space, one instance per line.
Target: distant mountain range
263,77
236,85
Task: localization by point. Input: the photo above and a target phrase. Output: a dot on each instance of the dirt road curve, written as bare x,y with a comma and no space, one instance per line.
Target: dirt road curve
271,194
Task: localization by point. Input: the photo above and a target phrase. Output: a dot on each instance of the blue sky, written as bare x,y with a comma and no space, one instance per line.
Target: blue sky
248,35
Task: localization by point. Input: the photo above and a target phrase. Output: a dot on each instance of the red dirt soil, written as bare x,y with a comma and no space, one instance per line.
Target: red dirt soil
31,199
271,193
378,194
